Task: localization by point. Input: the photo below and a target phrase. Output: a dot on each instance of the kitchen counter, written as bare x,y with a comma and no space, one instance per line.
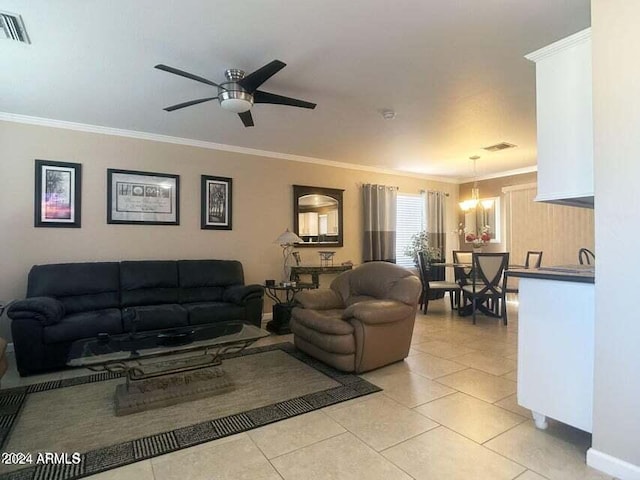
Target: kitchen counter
555,344
562,273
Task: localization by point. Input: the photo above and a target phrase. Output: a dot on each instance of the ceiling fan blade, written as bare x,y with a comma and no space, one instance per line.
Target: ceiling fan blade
182,73
252,81
246,118
266,97
189,103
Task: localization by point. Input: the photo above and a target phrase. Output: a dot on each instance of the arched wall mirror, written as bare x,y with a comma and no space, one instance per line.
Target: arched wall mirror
317,216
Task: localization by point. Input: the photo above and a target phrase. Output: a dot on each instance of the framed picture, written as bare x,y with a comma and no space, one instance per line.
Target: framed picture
57,194
143,198
215,203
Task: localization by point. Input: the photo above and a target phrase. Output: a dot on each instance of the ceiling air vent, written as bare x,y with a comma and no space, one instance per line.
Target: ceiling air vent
12,28
499,146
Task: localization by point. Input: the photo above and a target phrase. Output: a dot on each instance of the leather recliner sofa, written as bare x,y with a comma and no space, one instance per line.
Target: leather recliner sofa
363,321
71,301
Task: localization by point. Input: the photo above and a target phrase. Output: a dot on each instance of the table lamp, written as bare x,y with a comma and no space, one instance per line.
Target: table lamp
287,240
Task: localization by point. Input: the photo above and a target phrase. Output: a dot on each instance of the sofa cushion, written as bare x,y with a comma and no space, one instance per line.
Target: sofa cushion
325,321
84,325
209,312
81,287
322,299
341,344
377,279
155,317
205,280
376,312
46,310
359,299
149,282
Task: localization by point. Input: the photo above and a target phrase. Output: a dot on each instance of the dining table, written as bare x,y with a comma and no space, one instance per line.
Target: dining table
467,310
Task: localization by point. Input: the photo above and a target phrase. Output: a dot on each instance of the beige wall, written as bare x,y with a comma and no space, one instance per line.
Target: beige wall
558,231
262,204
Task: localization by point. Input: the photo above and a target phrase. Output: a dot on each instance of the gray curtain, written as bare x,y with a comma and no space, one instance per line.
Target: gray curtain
435,207
380,203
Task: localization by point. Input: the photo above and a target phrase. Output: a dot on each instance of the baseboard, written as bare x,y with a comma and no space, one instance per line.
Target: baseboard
612,465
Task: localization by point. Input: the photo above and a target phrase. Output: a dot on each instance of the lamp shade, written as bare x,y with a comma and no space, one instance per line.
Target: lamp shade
288,238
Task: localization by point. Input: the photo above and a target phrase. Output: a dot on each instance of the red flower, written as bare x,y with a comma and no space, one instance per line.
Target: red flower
470,237
485,237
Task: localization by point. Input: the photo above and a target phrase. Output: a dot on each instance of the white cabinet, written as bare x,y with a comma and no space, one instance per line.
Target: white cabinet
556,350
565,121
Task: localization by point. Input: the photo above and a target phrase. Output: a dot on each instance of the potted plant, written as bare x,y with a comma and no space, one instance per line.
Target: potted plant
420,243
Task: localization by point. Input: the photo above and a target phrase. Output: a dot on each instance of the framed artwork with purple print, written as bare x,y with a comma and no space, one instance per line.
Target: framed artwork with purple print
58,195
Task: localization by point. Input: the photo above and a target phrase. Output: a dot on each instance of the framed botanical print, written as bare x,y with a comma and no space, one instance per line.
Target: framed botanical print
143,198
58,194
216,203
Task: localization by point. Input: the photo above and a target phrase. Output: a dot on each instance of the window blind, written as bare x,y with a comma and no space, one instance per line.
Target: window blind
409,221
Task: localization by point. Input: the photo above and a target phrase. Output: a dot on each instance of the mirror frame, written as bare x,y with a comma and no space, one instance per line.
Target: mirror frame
335,193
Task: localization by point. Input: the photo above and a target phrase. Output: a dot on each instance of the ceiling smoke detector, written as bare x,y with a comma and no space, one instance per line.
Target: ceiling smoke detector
499,146
388,114
12,28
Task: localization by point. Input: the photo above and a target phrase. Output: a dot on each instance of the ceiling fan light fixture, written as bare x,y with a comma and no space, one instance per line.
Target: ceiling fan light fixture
236,105
234,99
240,92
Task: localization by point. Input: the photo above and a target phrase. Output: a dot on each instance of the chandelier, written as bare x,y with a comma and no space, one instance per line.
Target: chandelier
473,203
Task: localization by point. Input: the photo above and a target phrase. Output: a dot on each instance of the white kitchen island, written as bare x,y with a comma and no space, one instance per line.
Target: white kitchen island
556,345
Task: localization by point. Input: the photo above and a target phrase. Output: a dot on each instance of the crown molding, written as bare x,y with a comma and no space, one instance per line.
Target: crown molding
155,137
515,188
568,42
508,173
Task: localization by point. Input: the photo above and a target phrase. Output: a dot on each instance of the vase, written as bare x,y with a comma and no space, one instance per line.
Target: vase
477,248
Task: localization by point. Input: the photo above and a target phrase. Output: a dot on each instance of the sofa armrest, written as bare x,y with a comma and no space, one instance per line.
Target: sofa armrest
374,312
240,294
46,310
323,299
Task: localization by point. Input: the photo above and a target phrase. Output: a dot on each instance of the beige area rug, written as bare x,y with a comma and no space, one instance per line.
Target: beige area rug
271,383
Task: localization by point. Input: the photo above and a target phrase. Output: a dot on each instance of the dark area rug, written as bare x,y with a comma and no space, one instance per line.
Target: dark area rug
76,415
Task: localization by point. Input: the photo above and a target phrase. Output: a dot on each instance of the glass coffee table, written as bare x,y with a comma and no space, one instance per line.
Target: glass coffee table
165,367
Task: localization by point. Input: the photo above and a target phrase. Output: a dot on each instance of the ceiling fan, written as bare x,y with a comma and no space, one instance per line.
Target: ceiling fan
240,92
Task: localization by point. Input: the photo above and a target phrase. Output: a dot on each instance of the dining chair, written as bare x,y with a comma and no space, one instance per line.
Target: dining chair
532,260
488,272
462,274
429,286
586,257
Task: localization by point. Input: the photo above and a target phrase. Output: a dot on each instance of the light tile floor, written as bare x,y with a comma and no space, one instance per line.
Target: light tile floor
449,411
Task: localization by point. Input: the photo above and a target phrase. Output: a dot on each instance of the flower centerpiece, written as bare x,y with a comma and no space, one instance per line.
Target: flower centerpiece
478,239
420,243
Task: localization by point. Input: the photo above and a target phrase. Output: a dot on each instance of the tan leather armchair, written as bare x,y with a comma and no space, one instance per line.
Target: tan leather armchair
363,321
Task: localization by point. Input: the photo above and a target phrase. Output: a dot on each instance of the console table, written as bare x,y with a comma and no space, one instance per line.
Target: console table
316,271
